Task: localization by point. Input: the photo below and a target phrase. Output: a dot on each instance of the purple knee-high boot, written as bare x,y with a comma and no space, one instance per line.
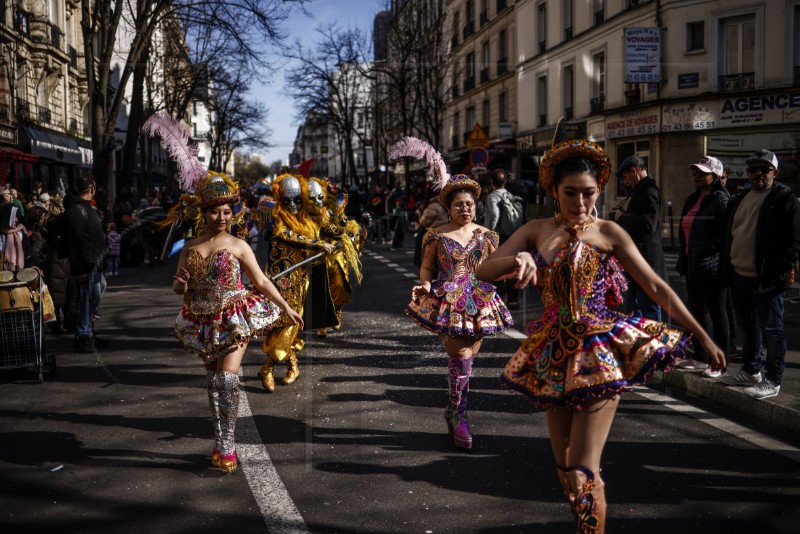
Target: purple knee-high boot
458,373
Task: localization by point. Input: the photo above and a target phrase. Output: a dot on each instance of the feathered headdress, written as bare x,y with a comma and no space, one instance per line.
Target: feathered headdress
411,147
176,137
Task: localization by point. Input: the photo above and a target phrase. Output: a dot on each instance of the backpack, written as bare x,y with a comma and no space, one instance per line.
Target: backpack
511,213
59,223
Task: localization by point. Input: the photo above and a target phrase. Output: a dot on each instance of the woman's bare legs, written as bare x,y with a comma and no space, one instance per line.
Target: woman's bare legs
459,368
578,438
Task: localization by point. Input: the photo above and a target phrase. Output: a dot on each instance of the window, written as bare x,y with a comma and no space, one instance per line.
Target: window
486,115
502,107
599,9
569,91
502,59
598,94
566,14
456,24
469,121
484,12
469,70
695,36
454,136
738,53
485,62
541,26
541,100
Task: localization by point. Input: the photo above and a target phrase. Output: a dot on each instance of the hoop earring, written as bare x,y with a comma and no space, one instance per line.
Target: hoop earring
595,215
557,211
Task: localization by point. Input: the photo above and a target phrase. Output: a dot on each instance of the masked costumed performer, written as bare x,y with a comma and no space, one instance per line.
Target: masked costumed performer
219,315
456,306
581,353
343,265
293,238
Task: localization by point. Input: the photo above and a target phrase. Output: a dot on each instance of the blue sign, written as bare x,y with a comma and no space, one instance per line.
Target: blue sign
479,157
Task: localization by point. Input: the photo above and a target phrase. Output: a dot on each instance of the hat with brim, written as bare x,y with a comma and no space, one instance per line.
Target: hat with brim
763,156
709,165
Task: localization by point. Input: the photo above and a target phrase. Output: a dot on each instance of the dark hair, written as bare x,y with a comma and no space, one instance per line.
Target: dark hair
451,195
84,183
499,178
573,165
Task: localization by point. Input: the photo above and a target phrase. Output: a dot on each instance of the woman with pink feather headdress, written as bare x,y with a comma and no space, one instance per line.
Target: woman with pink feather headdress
456,306
219,315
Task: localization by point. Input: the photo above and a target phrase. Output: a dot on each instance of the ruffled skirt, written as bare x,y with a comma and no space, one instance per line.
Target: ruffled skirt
214,336
461,309
608,361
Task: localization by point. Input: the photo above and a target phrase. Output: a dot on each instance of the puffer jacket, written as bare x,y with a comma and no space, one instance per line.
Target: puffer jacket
705,238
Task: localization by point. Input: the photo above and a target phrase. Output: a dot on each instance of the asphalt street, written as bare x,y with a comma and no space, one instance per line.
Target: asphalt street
118,441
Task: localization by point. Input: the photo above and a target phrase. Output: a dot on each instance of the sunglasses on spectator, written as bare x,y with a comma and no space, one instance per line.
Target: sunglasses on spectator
763,169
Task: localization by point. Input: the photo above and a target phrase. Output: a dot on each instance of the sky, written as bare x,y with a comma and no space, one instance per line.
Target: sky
281,115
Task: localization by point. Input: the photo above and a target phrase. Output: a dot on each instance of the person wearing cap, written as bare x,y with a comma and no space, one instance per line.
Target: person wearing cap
762,240
700,235
43,201
641,218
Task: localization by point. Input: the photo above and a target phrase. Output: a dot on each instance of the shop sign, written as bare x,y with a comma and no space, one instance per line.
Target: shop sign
505,130
689,80
687,117
8,135
633,123
781,108
642,55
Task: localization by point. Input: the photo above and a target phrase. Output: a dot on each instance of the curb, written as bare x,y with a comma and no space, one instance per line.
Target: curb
764,411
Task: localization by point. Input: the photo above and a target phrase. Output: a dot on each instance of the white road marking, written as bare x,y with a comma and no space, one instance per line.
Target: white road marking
277,507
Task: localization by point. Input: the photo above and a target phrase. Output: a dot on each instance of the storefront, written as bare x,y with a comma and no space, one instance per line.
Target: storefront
58,157
16,166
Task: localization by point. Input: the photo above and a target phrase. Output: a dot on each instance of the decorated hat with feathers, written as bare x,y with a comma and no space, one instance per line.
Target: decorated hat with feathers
411,147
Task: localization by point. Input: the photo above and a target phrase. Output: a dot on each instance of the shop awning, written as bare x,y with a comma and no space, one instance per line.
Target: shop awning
13,154
52,145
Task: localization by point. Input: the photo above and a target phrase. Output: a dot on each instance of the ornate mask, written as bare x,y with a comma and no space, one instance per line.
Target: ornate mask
291,195
316,195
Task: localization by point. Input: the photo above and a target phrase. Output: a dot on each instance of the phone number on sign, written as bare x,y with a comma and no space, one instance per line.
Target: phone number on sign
683,126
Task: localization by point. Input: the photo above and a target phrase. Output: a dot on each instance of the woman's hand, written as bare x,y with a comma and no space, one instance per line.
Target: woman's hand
417,292
328,247
524,270
293,315
715,354
181,280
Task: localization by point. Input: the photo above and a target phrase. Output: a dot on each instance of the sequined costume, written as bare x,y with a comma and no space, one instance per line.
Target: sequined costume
458,304
218,312
580,348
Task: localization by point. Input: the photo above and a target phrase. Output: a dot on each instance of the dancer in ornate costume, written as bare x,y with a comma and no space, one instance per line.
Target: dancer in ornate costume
581,354
219,315
343,265
456,306
293,238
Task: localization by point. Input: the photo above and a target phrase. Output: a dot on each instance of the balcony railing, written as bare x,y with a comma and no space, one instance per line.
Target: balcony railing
55,36
469,29
568,113
502,66
501,5
737,82
23,110
79,129
542,46
485,75
596,104
568,33
43,115
469,84
484,17
4,114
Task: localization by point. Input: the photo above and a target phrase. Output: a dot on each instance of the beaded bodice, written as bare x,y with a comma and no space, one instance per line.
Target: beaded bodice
214,282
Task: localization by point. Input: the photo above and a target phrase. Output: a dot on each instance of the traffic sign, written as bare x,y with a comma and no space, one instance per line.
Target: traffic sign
478,157
478,137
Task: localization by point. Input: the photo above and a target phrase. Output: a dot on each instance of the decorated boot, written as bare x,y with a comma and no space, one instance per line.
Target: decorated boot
267,375
213,404
227,386
589,506
458,373
293,369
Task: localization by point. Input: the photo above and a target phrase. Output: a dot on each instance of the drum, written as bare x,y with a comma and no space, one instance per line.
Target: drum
27,275
6,277
16,297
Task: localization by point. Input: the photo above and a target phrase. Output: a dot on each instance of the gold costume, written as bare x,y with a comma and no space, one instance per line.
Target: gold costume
293,238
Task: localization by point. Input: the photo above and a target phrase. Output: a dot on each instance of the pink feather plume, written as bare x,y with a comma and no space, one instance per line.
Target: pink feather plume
411,147
176,138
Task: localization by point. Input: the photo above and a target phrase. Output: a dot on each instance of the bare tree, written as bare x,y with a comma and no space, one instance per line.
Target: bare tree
246,26
331,81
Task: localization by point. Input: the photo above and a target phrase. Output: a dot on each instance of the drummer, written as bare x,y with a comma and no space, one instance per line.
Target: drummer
13,241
